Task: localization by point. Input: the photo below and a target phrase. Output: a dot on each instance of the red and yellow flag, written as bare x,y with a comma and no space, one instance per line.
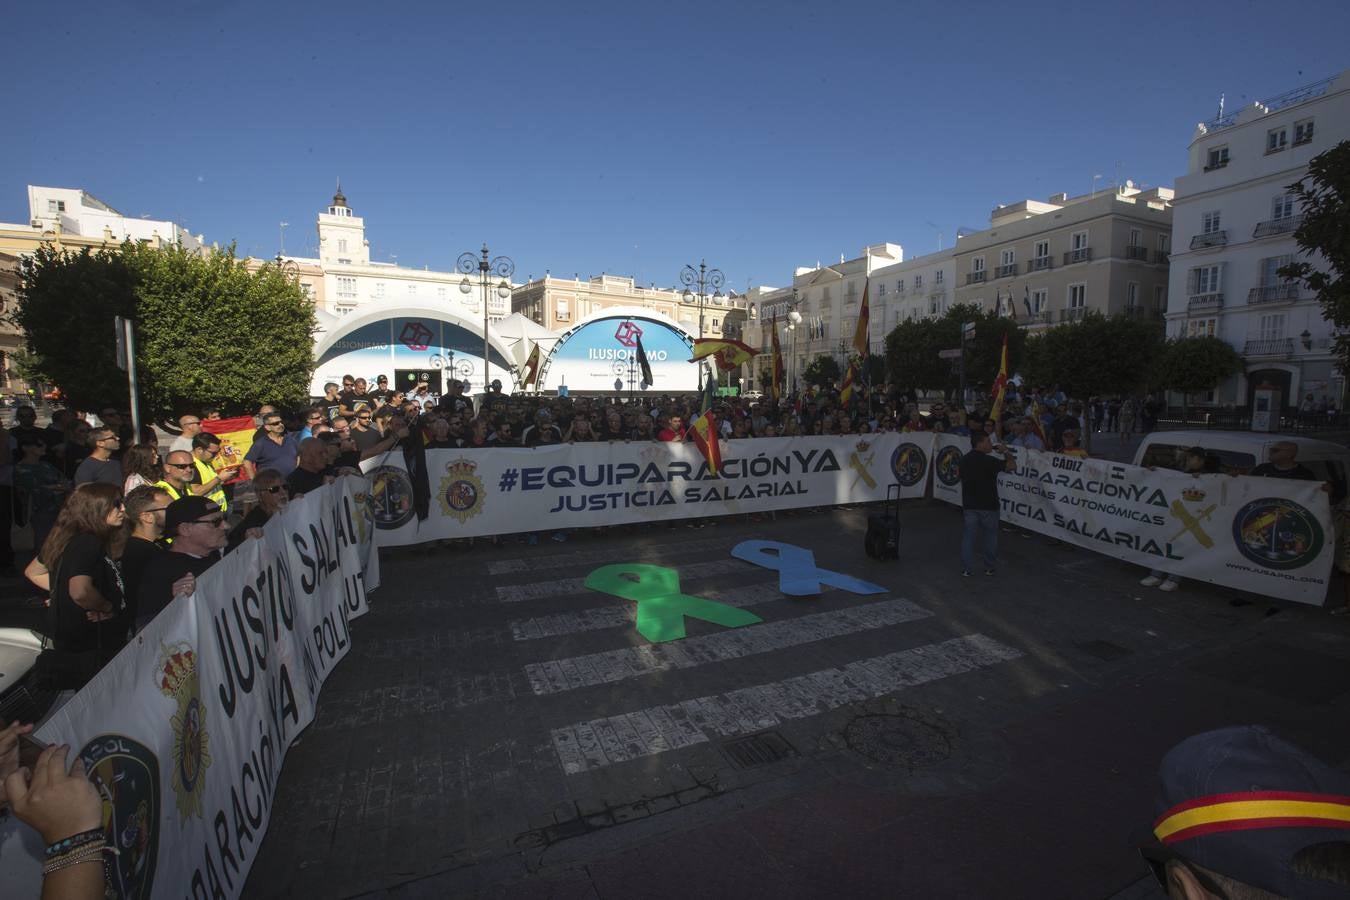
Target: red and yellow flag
704,431
236,436
864,318
1038,424
777,388
846,389
530,374
729,354
1000,383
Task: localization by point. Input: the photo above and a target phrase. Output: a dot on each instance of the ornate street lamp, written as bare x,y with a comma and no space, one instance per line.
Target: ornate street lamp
701,279
488,268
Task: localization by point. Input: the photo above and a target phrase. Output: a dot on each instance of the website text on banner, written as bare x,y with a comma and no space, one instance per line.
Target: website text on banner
499,491
1270,536
185,732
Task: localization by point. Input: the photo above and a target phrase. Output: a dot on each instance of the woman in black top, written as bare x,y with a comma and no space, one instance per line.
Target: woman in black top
88,622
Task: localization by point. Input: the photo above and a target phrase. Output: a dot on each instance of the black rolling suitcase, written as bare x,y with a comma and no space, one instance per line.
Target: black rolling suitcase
883,528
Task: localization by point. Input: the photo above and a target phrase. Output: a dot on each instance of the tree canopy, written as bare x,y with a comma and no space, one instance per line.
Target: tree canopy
1324,196
1190,365
208,331
823,371
912,349
1095,355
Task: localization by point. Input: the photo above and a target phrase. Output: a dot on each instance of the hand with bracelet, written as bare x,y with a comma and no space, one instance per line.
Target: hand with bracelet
65,809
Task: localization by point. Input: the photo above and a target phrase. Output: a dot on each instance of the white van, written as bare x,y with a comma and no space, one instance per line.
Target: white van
1238,452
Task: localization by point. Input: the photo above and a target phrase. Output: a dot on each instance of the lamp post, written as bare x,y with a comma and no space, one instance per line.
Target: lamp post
701,278
488,268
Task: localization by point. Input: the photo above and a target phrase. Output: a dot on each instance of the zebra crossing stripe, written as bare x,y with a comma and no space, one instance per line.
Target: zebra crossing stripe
558,587
597,743
538,563
609,666
625,614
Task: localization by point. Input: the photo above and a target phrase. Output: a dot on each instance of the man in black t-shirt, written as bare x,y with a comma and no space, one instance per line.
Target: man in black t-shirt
308,475
979,501
356,399
197,527
453,400
1284,464
145,510
381,394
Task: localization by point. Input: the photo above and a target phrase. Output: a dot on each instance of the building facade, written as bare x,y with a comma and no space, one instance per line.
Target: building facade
1235,220
559,303
1046,263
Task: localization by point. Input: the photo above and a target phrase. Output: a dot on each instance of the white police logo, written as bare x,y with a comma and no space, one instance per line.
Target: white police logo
461,491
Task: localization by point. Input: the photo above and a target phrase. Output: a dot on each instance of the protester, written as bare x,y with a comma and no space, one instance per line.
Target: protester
1069,441
210,482
145,508
1284,463
1196,463
140,465
673,430
275,450
99,465
77,564
309,474
189,427
272,496
197,528
39,488
979,501
179,467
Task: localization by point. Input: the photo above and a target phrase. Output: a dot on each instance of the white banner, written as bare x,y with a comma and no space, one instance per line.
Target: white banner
185,732
1269,536
504,490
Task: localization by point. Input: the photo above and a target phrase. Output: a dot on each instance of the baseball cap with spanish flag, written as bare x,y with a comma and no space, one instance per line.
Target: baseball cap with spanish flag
1245,804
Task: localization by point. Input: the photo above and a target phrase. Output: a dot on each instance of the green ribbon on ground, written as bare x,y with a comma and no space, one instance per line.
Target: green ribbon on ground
661,607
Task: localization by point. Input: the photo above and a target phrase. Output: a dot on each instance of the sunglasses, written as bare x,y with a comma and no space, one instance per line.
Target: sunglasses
179,465
213,521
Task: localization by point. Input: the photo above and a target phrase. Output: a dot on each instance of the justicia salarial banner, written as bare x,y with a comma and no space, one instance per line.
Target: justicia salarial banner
184,733
504,490
1270,536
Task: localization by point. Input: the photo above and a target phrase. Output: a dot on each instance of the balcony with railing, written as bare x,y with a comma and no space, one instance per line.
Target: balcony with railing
1139,253
975,277
1274,293
1269,347
1073,314
1040,263
1162,257
1212,239
1044,317
1082,254
1007,271
1212,300
1143,312
1273,227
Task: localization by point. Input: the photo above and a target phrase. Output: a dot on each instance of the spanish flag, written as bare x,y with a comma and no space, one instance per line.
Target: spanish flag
729,354
703,430
236,436
864,318
777,388
530,374
846,389
1001,382
1038,423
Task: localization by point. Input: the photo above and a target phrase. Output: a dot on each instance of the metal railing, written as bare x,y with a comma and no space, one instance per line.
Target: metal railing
1269,347
1142,312
1212,239
1273,293
1039,263
1277,226
975,277
1006,271
1139,253
1082,254
1217,164
1072,314
1279,101
1206,301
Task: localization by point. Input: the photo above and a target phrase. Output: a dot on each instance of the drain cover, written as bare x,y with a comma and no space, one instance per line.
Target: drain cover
758,749
897,740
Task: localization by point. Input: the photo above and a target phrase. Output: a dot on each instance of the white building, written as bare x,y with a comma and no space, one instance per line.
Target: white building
914,289
71,211
1234,220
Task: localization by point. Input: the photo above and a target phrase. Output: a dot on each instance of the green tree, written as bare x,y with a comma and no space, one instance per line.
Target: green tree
208,331
1095,355
822,371
1324,196
912,350
1191,365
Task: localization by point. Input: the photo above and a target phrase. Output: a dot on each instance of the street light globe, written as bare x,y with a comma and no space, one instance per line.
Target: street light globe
464,286
687,297
795,318
503,290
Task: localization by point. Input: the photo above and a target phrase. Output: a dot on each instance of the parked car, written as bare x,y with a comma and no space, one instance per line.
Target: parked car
20,696
1238,452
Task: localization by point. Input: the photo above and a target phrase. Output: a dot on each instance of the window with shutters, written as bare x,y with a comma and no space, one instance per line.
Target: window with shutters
1209,223
1272,327
1282,207
1303,131
1077,296
918,282
1277,139
1204,280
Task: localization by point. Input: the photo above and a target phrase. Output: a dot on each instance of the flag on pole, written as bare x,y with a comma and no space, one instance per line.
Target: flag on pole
1026,300
644,363
1038,424
860,332
530,374
1012,305
846,389
729,354
777,387
1000,382
703,430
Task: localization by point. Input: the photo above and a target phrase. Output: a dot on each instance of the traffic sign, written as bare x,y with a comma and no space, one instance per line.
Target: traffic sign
950,354
968,329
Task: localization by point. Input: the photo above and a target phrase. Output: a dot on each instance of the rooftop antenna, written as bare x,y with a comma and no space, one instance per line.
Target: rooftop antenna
939,233
283,227
1095,179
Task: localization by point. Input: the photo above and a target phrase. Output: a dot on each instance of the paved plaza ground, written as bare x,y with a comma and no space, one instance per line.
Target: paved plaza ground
499,730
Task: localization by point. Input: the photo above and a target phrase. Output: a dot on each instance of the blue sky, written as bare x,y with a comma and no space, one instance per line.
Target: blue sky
626,137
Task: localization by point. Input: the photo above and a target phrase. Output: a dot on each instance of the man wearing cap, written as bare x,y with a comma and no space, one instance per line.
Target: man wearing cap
543,431
453,400
1243,814
197,527
381,394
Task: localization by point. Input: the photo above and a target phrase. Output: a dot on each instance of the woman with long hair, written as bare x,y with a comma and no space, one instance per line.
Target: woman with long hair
140,465
77,564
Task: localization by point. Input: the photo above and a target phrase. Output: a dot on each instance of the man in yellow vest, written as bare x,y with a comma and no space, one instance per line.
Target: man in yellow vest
178,468
205,446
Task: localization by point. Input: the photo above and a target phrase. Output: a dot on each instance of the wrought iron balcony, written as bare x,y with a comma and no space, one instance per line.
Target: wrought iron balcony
1082,254
1039,263
1139,253
1269,347
1217,164
1007,271
1142,312
1162,257
1213,239
1043,317
1206,301
1274,293
1072,314
975,277
1271,227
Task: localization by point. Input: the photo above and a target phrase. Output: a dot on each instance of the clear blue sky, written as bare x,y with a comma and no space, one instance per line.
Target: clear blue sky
627,137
